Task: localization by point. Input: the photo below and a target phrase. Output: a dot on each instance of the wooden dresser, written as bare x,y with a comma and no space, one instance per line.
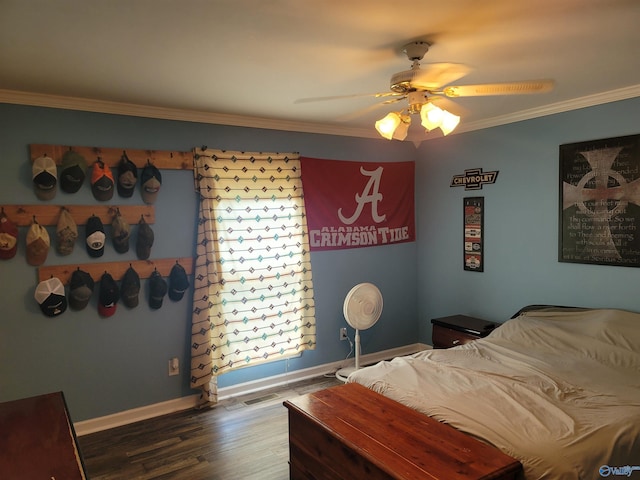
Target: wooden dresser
38,441
351,432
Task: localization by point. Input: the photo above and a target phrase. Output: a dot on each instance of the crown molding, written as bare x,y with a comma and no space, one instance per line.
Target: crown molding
165,113
136,110
551,109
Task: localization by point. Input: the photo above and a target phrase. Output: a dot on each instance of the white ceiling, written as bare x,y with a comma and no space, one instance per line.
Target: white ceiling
245,62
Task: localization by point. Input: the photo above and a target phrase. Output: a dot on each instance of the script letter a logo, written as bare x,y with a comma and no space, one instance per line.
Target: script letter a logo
370,194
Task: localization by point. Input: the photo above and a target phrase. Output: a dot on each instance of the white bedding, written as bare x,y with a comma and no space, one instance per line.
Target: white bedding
559,391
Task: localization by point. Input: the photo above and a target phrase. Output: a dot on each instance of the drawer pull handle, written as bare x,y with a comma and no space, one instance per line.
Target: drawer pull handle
456,342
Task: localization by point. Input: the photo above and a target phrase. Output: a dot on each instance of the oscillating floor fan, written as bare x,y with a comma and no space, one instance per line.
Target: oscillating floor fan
362,308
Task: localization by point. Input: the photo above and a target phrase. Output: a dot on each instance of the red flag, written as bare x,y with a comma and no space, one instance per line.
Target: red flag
358,204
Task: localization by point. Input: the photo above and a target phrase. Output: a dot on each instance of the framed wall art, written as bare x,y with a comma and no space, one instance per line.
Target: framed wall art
599,219
473,226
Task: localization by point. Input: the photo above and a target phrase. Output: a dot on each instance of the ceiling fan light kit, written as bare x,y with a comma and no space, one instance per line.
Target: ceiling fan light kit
435,117
431,116
393,126
449,122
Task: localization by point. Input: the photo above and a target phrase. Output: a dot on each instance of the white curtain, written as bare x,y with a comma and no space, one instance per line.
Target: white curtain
253,299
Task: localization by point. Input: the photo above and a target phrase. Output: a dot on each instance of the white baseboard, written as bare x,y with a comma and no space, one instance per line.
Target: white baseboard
93,425
98,424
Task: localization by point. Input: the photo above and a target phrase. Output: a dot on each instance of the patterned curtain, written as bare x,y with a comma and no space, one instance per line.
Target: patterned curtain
253,300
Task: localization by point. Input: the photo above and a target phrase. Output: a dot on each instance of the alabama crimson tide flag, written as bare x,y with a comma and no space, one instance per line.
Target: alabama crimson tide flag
358,204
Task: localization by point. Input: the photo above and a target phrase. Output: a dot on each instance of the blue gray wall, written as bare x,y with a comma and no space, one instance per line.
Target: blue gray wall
108,365
521,220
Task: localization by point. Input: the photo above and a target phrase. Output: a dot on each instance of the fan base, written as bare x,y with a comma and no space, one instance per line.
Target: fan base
343,373
416,50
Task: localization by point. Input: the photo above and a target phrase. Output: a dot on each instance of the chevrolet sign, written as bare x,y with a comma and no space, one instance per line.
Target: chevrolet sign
473,179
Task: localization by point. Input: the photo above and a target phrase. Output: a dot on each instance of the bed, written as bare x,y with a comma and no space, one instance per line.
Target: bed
556,388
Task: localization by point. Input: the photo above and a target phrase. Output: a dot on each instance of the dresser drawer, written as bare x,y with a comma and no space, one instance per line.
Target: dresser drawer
447,337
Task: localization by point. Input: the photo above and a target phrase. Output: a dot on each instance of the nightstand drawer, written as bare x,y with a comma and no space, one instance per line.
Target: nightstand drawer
447,337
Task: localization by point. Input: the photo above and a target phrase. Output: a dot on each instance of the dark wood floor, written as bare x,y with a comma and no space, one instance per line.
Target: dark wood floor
244,438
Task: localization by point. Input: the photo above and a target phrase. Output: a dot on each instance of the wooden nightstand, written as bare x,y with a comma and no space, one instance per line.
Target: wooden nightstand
459,329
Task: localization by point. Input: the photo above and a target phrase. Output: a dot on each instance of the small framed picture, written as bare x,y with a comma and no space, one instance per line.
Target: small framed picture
473,241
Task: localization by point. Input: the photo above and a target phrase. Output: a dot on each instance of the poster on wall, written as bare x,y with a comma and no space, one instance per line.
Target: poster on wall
473,226
358,204
599,219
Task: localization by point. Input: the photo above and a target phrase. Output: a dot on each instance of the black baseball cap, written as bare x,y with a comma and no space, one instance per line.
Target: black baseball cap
130,288
109,295
157,290
178,282
127,176
95,237
80,289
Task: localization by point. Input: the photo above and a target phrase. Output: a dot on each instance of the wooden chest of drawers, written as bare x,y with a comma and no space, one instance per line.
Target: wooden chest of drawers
351,432
38,441
458,329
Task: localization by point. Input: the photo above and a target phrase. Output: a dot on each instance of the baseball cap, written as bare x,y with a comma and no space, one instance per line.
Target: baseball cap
8,237
38,243
50,296
80,289
144,242
73,171
120,233
102,181
66,232
130,287
157,290
150,180
127,176
108,296
178,282
45,177
95,237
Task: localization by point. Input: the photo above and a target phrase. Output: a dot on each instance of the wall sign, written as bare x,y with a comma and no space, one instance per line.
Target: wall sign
358,204
599,219
473,241
473,179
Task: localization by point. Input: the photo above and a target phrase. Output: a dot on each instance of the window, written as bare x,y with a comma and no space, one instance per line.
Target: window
253,298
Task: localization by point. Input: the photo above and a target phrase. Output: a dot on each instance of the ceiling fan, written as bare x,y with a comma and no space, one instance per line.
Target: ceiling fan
421,84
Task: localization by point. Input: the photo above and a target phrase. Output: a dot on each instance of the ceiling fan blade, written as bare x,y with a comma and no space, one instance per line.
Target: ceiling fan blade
432,76
358,113
363,111
393,100
450,105
343,97
509,88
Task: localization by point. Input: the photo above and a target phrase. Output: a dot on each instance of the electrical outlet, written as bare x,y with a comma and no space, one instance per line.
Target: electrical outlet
343,333
174,366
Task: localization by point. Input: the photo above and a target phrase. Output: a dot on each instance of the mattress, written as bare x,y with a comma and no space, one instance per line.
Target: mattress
559,391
